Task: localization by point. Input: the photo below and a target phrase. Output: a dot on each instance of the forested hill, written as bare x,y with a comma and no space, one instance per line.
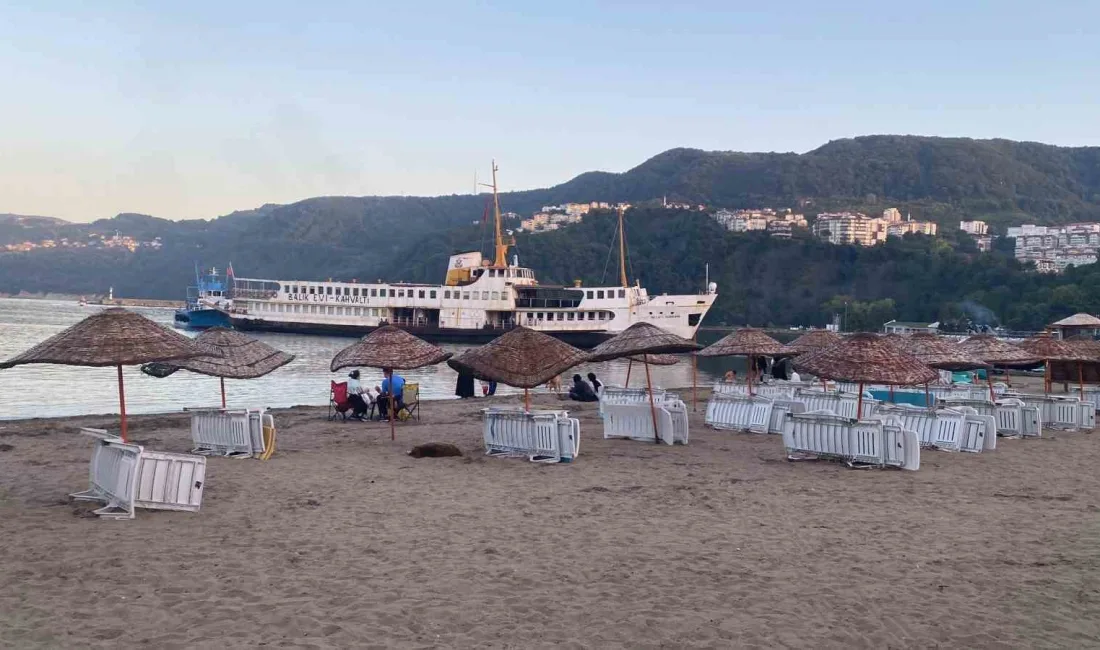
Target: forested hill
762,280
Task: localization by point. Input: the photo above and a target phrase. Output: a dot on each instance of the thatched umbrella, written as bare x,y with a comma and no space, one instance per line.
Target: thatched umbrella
867,358
745,342
644,339
1047,349
944,354
242,357
522,358
389,348
811,341
113,337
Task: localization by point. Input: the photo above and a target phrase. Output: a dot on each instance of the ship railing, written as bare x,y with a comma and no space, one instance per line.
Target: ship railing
256,294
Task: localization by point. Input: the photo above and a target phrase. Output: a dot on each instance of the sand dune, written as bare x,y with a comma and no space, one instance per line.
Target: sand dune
341,540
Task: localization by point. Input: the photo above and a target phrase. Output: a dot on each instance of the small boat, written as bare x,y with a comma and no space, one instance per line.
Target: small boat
205,302
83,301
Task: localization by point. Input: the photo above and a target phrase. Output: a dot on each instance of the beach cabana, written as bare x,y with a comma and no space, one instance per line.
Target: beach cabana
113,337
521,358
1047,349
1080,324
389,348
745,342
643,339
867,359
242,357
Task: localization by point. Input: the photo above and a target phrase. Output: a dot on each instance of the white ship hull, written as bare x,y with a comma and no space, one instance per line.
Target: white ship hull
494,301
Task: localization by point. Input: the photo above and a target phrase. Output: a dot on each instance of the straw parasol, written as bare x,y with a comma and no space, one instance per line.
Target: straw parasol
867,358
745,342
242,357
657,359
810,341
943,354
113,337
644,339
522,358
1047,349
390,348
992,350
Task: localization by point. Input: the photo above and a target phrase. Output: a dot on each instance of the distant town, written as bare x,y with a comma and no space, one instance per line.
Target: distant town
91,241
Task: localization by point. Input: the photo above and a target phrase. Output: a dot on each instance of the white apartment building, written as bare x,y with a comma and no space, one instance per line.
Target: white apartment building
974,227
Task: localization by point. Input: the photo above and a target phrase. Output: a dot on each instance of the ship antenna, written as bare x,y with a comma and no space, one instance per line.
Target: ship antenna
622,250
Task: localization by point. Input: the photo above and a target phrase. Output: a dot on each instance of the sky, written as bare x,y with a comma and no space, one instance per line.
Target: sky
195,109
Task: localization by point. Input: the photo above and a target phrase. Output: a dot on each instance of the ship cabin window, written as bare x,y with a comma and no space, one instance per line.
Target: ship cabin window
591,315
431,294
328,291
561,315
331,310
347,291
446,295
591,294
496,295
603,315
355,292
622,293
465,295
484,295
297,309
313,309
374,293
382,292
420,294
311,290
570,315
599,294
282,308
538,316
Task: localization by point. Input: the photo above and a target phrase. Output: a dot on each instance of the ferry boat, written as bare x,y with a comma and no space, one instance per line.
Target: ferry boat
207,302
479,300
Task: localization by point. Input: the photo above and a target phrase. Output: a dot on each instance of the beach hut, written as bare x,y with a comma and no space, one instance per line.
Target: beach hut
867,359
745,342
1077,325
521,358
644,339
242,357
113,337
1048,349
389,348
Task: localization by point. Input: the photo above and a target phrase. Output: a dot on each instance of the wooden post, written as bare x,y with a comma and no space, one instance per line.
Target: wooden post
122,402
694,378
748,375
1046,376
526,400
223,391
989,380
927,398
1081,379
629,365
393,436
652,405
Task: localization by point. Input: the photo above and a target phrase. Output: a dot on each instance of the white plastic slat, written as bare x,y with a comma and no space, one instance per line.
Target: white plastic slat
169,481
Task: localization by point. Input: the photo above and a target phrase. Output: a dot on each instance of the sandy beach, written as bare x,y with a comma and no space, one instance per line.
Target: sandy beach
342,540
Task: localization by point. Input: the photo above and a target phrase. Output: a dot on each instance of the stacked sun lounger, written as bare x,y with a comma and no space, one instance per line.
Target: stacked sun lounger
124,476
232,433
540,436
950,429
881,442
1014,418
1066,412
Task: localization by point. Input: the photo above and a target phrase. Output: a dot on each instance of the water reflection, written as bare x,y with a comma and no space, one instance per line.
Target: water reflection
50,391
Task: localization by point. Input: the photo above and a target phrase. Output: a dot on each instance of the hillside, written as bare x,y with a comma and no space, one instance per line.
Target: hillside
410,237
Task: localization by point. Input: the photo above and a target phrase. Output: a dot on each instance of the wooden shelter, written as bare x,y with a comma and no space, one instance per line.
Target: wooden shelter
1049,350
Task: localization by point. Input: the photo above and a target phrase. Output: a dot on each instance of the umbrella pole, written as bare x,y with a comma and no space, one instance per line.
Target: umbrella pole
393,436
1046,376
526,400
122,402
859,402
223,391
1081,379
927,398
989,380
629,365
652,405
695,379
752,369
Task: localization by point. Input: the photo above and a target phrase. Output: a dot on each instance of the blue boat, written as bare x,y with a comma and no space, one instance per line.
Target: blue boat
207,302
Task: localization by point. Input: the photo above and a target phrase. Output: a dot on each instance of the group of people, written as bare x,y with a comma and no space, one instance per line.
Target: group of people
361,398
583,391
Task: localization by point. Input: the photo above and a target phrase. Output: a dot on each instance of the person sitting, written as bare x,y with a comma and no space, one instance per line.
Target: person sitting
392,385
731,377
358,398
596,385
581,391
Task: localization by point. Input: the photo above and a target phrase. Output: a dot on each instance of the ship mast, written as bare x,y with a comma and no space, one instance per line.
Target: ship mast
622,249
501,257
